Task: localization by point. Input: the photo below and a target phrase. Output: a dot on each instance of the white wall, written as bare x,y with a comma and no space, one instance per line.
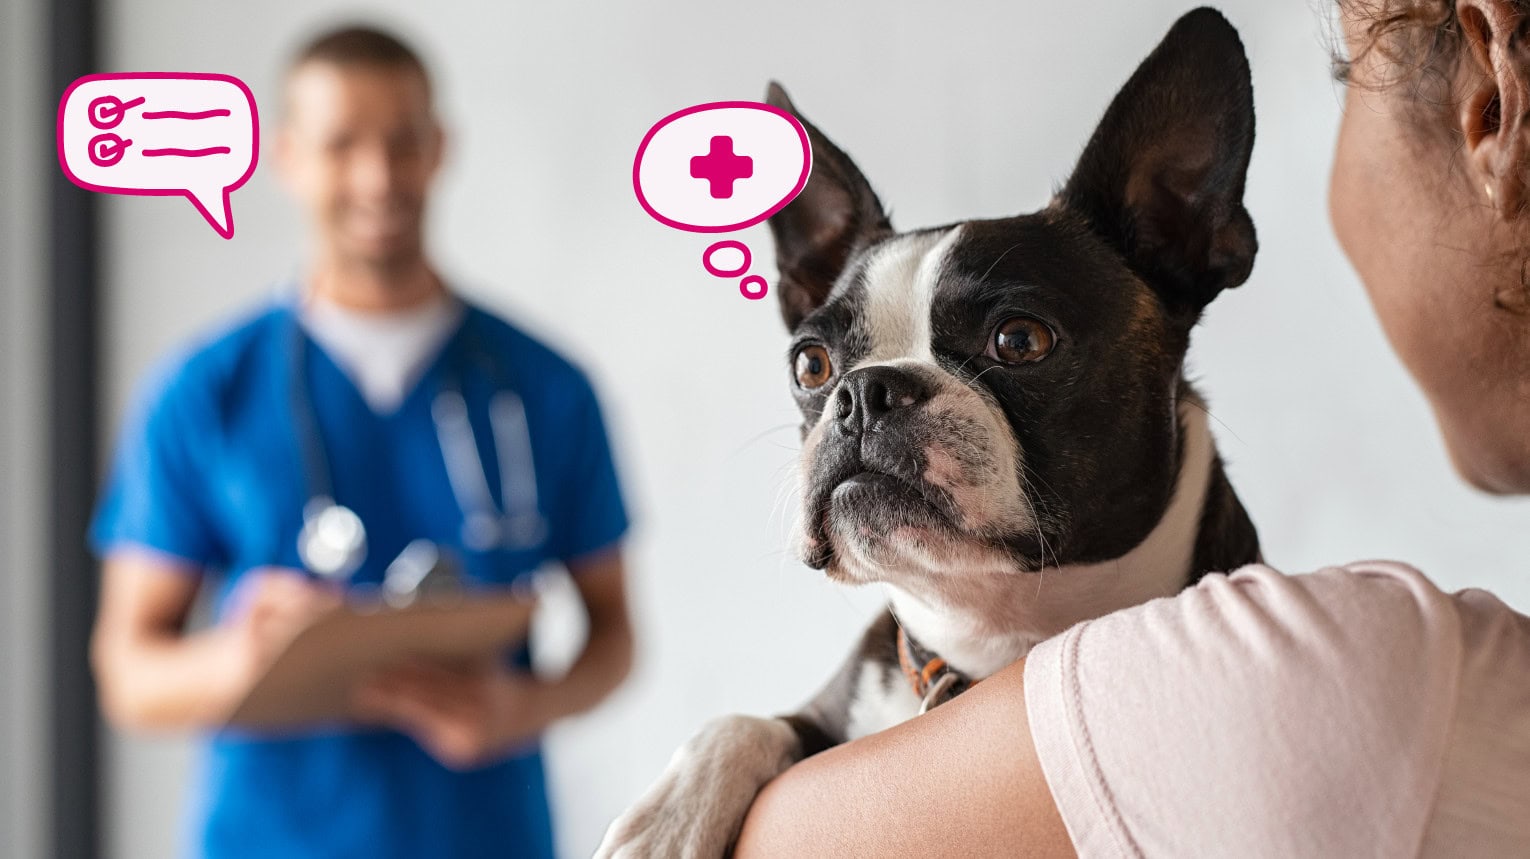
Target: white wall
23,416
954,114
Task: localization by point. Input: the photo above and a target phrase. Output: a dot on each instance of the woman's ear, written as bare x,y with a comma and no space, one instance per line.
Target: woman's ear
1493,113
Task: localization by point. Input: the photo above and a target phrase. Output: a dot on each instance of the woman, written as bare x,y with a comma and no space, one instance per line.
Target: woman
1354,711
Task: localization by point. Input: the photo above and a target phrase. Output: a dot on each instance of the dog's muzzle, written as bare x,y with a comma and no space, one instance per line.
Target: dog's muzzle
868,464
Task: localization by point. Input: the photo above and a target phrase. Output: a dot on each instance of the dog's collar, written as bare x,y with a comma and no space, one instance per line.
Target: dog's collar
933,680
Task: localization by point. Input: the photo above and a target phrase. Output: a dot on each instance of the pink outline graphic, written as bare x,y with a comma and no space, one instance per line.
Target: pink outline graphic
116,106
181,114
187,153
107,149
807,165
743,288
726,244
228,211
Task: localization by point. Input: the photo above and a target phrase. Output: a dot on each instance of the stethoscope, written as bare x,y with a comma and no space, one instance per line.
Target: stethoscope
333,540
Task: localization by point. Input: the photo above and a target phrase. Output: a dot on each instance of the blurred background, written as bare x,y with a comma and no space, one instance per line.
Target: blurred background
977,110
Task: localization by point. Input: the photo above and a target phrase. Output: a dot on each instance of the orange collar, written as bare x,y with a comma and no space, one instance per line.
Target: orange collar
933,681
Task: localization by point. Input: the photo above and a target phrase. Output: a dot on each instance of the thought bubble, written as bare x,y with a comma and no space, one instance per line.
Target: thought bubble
155,134
720,167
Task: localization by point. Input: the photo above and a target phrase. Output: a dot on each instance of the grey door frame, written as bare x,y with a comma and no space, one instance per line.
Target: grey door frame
73,308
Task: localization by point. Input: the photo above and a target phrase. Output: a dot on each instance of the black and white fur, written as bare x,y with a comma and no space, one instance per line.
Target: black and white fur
998,503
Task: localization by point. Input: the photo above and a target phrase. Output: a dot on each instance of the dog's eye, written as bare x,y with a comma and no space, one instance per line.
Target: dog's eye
812,366
1021,340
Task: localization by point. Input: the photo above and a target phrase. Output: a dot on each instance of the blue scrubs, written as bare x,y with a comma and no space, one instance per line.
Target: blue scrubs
209,469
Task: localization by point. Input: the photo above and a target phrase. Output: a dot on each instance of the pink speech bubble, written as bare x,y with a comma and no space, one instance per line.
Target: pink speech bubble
153,134
720,167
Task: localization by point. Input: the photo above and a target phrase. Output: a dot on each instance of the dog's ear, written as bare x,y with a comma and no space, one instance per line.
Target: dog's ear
836,213
1162,177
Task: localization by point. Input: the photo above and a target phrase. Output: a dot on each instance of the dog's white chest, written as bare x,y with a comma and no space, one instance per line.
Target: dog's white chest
882,698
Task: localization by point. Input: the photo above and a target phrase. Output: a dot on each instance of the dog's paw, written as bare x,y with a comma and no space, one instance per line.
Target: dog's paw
695,809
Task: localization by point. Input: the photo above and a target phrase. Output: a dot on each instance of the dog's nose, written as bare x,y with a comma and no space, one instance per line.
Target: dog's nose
871,392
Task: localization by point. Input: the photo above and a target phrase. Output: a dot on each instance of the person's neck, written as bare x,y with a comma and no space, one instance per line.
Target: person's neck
372,288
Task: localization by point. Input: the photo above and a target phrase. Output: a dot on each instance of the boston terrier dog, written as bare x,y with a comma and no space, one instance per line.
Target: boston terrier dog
996,422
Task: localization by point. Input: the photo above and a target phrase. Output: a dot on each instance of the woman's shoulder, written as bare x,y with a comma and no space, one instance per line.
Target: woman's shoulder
1388,593
1265,696
1390,598
1377,623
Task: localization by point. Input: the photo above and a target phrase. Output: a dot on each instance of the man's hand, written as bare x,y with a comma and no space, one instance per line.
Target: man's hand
268,608
154,675
464,716
469,716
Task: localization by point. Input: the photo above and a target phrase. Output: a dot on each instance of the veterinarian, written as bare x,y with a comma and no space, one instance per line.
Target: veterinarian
322,434
1354,711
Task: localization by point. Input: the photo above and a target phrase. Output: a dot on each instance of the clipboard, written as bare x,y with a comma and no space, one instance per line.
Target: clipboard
310,681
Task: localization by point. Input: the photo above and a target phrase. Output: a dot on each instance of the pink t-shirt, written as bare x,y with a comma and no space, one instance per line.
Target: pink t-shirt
1354,711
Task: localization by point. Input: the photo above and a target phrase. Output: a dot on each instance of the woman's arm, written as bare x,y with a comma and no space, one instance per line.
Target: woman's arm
1250,715
961,780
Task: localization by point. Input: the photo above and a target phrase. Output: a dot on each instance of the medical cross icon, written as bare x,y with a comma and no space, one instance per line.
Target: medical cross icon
721,168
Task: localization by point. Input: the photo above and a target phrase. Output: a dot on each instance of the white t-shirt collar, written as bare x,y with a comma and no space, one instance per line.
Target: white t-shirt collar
383,353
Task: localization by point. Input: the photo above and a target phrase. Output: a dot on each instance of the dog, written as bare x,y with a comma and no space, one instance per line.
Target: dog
997,426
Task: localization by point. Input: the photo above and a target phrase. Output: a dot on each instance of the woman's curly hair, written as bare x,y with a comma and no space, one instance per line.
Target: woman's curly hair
1419,44
1413,33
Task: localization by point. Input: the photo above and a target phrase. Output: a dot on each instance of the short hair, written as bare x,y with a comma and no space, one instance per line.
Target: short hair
360,45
